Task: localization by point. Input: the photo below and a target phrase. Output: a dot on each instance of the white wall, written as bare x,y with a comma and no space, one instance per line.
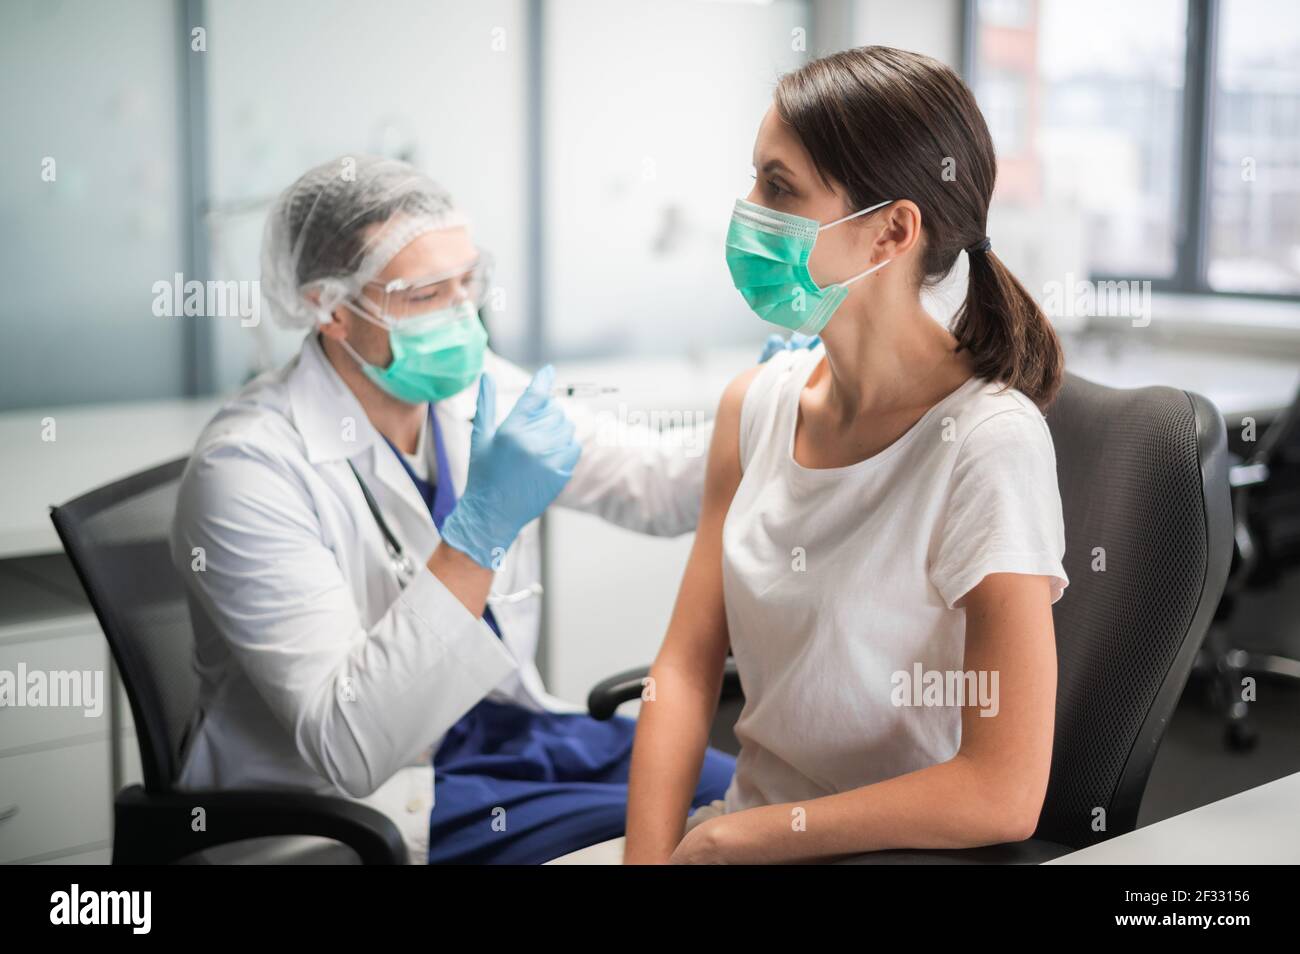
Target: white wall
299,82
932,27
609,591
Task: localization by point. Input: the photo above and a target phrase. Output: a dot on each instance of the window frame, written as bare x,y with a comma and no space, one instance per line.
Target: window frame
1193,206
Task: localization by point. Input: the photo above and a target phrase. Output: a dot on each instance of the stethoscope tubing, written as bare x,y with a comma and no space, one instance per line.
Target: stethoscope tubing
403,564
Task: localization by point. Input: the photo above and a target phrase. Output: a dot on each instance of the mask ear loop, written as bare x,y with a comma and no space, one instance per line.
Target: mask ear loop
343,342
873,268
854,215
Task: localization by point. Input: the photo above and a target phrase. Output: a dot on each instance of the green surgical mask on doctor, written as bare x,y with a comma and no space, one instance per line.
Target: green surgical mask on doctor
768,252
435,355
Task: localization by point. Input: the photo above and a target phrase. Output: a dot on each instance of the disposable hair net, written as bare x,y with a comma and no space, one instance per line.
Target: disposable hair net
338,226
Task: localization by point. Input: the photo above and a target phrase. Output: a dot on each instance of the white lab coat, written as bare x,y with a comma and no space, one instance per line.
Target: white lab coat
317,671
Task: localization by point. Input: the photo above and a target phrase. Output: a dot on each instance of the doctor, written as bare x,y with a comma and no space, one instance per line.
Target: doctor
358,535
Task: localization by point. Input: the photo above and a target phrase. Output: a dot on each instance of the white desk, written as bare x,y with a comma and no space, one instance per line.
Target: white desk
93,446
1236,384
1260,826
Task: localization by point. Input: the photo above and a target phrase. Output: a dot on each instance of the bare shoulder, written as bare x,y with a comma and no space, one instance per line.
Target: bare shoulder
724,452
733,398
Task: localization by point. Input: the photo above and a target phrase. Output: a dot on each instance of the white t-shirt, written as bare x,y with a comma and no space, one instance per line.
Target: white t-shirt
838,580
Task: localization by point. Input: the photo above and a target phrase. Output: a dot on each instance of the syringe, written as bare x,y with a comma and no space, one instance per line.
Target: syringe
582,389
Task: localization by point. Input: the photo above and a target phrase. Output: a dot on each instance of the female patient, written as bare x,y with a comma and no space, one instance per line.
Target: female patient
881,522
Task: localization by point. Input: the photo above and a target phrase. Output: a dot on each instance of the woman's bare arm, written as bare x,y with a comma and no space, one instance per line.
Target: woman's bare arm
991,791
673,728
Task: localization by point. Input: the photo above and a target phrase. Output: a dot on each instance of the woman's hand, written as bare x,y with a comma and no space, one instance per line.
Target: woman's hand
754,836
735,838
700,846
703,844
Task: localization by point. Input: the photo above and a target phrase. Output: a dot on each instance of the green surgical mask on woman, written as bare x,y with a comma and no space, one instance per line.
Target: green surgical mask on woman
435,355
768,252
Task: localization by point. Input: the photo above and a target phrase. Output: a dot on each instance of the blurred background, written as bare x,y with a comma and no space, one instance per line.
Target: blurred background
598,146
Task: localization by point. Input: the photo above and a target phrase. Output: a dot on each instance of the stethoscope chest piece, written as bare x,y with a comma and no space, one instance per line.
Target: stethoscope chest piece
404,568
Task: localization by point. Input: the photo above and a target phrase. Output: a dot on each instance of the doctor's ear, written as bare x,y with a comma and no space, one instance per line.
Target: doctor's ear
331,325
328,323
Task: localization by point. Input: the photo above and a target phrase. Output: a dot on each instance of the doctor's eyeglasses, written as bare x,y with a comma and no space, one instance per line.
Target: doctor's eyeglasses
403,298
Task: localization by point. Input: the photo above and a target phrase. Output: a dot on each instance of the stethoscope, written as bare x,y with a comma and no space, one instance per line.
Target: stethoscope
404,567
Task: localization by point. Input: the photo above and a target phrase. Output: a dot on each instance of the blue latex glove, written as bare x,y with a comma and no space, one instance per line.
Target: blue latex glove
775,343
515,470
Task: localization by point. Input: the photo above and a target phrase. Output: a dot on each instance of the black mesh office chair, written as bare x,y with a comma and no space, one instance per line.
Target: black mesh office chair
1266,524
117,540
1143,475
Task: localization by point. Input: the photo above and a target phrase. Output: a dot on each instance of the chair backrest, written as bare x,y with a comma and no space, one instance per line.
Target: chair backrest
117,539
1144,487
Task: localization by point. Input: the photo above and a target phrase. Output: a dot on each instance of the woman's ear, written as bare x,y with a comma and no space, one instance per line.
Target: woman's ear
900,229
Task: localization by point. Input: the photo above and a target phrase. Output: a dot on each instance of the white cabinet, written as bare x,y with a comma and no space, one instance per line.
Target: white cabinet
56,755
59,802
76,653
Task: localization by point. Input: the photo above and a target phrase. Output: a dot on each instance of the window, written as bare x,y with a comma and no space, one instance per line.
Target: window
1254,220
1161,138
1005,98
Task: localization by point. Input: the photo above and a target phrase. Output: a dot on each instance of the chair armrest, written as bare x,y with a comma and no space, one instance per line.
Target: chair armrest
155,828
1247,475
611,693
1033,851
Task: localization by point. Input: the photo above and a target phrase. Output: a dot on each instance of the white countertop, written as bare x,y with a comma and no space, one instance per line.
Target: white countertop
93,446
1237,384
1260,826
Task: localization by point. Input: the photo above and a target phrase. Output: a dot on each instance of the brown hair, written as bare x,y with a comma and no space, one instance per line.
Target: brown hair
886,124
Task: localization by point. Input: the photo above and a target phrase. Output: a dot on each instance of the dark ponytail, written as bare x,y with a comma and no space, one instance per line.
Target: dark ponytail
889,124
1007,334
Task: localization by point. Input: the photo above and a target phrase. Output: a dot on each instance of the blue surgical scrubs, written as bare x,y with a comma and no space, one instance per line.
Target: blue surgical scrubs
513,786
